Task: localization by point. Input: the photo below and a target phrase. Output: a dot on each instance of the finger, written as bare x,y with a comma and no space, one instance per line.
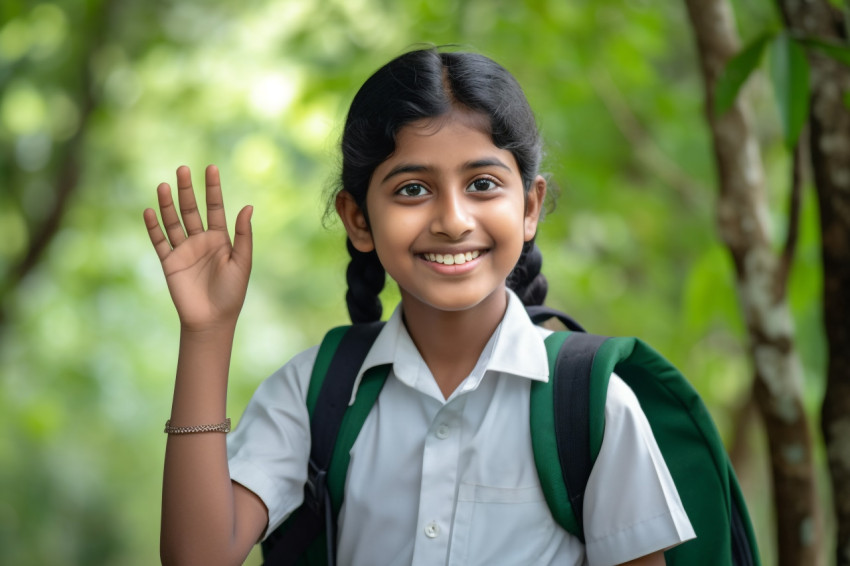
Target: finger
170,220
160,244
243,240
215,202
188,206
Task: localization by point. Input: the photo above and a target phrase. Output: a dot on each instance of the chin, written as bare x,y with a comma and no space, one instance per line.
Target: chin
456,304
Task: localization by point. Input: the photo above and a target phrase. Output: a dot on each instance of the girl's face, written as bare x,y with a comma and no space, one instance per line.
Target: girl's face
448,215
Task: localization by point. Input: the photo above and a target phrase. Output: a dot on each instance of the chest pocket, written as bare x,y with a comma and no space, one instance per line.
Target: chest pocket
499,525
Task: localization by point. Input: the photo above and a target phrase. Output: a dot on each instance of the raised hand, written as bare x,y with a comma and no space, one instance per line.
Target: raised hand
207,276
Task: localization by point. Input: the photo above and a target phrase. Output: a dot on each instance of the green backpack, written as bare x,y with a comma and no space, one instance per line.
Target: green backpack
567,425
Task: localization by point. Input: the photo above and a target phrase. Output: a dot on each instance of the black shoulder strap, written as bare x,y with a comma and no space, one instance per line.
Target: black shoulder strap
336,392
571,404
315,515
542,313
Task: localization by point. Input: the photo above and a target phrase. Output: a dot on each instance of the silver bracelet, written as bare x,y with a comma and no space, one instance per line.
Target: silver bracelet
220,427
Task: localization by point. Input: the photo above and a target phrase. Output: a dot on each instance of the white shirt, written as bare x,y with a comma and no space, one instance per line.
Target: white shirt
435,481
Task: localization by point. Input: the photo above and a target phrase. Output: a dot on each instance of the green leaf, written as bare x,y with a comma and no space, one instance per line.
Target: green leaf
789,71
840,53
737,71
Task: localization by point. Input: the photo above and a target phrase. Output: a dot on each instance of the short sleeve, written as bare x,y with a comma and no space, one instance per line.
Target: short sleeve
631,505
270,446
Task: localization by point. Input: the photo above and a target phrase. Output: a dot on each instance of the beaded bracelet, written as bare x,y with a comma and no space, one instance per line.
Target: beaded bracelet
220,427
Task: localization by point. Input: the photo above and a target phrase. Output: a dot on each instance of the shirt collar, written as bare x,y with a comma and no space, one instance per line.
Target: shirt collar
515,348
519,348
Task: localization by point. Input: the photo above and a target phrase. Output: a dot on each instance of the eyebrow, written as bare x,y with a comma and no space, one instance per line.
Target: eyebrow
402,168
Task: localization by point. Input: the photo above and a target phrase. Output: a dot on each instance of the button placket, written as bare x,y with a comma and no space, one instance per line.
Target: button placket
439,479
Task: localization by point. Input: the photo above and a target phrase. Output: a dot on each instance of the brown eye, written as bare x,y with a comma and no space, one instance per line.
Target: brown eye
412,190
481,185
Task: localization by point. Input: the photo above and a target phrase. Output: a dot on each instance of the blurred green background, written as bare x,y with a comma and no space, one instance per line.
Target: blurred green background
101,101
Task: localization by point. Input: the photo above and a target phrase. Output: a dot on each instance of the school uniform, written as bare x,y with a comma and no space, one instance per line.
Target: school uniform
453,481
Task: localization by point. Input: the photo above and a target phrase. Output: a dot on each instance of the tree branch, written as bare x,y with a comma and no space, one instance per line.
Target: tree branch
829,151
743,218
68,171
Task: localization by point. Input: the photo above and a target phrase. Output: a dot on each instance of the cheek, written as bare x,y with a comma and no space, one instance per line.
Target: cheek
393,236
509,220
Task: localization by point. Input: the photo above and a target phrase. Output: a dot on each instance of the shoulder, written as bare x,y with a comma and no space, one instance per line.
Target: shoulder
627,431
631,504
269,448
621,401
286,386
277,405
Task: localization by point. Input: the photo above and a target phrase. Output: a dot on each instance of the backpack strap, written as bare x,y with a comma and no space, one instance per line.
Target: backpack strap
542,313
704,478
333,427
572,405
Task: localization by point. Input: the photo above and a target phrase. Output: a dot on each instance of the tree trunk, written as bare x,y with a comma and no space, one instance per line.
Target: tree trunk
743,217
829,120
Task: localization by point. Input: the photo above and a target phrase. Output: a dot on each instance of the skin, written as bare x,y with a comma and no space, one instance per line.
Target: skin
447,188
206,518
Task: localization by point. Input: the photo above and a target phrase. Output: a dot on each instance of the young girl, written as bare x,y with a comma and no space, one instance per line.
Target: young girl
439,189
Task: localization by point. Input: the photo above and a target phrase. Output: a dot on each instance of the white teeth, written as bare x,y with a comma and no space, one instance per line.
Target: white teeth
452,259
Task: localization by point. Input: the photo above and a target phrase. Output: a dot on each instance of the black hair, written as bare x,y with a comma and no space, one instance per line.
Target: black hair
429,83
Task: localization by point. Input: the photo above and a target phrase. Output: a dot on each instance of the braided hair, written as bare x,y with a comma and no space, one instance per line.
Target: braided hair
421,84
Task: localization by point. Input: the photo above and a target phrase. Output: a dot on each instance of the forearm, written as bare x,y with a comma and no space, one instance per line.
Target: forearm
200,388
198,511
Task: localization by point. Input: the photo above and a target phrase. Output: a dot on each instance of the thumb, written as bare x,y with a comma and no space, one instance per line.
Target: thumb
243,240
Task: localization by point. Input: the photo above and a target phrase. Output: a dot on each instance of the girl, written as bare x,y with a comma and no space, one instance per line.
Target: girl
439,189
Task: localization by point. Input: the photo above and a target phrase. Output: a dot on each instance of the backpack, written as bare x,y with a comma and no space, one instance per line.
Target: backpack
567,425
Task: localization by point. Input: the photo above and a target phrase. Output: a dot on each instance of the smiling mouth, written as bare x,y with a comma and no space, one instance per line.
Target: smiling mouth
452,259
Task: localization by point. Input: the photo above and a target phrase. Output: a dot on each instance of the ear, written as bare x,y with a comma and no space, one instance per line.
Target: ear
533,206
354,221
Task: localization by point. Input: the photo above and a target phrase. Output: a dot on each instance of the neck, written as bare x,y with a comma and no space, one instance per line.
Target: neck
451,342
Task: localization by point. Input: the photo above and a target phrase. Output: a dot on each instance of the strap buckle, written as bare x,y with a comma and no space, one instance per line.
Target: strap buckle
316,488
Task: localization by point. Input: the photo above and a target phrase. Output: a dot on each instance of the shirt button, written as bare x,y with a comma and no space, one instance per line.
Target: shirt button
432,530
443,431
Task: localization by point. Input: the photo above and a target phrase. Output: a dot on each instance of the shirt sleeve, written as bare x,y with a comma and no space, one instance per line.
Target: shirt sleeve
631,505
270,446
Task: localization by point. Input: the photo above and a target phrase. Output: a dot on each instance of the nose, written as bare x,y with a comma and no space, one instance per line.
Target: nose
453,216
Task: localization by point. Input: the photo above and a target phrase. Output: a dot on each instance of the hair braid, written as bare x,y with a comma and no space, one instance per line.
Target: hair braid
365,276
526,280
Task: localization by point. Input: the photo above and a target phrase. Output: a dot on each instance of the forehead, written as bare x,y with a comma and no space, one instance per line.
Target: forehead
446,141
456,116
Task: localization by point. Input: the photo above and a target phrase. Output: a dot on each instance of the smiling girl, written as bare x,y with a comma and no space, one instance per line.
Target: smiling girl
439,189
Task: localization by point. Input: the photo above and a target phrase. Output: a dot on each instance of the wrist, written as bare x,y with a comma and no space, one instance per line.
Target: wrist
207,332
205,353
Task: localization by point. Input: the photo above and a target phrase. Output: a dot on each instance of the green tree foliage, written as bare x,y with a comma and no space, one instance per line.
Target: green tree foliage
100,101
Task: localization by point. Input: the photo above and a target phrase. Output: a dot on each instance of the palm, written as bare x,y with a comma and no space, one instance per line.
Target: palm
207,276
